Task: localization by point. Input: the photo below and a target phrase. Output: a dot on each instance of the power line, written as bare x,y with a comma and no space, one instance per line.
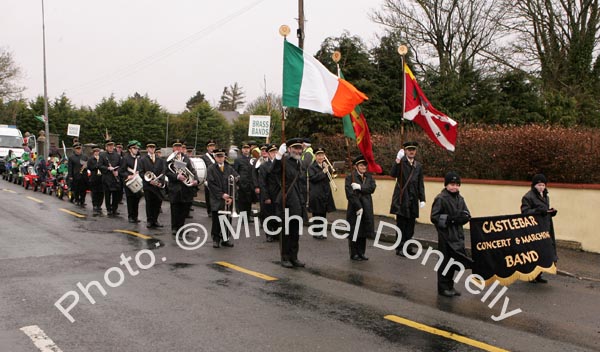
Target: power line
161,54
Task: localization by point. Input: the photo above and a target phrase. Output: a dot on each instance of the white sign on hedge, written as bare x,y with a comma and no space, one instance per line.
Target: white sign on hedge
259,126
73,130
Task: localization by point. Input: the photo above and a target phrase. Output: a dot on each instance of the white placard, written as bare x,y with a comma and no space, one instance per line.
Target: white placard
73,130
259,126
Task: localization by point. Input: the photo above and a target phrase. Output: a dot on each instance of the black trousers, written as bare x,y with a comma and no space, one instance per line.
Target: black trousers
97,198
357,247
215,230
407,226
207,199
112,199
133,203
446,282
290,242
79,189
153,204
179,211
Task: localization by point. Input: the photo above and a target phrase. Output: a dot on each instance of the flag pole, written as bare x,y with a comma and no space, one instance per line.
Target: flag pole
402,50
336,57
284,30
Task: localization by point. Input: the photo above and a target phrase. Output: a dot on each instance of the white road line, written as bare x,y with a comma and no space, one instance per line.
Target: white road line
40,339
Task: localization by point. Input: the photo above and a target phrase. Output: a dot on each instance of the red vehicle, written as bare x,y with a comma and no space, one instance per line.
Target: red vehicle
62,188
30,178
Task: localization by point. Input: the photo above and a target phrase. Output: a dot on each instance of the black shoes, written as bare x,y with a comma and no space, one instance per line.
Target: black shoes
320,237
449,293
154,225
216,244
287,264
226,244
269,238
133,221
297,263
539,279
363,257
356,257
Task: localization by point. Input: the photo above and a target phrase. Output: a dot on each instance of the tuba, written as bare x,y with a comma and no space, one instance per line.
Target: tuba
179,167
150,177
230,209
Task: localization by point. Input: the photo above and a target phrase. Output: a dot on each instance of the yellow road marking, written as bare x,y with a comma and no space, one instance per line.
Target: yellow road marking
35,199
9,190
142,236
443,333
246,271
72,213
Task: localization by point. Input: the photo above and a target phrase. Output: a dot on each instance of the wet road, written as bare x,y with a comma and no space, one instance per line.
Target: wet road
185,301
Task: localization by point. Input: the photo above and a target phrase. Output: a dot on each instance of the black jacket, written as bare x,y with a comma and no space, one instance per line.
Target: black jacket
158,167
360,199
219,184
244,168
413,185
320,198
449,213
75,165
295,178
534,203
108,179
96,177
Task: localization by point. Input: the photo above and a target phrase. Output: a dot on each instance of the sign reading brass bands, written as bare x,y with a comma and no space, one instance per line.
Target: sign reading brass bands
511,247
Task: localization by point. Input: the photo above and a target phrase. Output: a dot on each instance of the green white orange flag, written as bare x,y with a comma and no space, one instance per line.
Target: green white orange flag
40,118
307,84
438,126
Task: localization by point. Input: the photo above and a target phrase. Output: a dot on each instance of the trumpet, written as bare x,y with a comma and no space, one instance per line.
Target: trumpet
230,209
330,171
150,177
179,167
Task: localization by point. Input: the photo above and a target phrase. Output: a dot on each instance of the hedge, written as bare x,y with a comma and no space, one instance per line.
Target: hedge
564,155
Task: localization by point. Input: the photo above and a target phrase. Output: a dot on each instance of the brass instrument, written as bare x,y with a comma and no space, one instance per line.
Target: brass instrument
330,171
83,166
230,209
150,177
179,167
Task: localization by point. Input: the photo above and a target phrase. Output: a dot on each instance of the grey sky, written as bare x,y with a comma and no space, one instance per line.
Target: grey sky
167,49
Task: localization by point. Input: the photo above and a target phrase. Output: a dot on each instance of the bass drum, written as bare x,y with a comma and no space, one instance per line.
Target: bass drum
200,167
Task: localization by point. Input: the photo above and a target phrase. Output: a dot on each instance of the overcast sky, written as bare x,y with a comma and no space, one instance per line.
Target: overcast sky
166,49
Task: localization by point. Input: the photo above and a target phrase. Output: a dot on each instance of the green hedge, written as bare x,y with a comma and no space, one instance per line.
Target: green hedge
565,155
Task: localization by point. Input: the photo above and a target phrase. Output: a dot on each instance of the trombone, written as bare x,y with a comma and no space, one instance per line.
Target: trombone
330,171
230,208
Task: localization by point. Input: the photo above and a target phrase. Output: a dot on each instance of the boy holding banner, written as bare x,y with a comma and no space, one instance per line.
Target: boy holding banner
449,213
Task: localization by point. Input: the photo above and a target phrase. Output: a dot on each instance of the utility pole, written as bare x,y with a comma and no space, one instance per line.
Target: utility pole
46,118
300,32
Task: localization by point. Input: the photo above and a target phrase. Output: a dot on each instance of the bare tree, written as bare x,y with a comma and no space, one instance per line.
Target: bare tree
9,74
456,33
561,37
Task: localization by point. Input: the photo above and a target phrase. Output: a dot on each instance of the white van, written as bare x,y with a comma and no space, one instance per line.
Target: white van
10,139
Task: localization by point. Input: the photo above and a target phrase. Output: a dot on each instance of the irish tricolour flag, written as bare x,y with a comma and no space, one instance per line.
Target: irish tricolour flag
307,84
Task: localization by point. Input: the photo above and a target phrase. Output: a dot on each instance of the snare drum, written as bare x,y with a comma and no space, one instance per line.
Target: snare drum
135,184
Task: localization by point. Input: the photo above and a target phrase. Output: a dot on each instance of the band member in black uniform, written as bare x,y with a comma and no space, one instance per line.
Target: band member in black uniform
179,193
154,184
295,180
359,186
244,168
130,168
78,174
109,164
222,180
267,186
320,198
96,180
256,162
208,160
409,194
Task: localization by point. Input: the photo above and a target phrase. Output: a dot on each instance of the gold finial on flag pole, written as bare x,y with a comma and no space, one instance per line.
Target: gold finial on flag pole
336,56
284,30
